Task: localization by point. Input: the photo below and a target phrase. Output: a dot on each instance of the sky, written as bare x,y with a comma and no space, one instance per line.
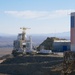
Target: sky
42,16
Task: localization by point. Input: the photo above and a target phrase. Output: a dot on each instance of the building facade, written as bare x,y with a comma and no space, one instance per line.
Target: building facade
61,45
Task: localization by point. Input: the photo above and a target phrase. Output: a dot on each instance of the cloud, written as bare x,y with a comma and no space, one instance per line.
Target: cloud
40,14
60,13
27,14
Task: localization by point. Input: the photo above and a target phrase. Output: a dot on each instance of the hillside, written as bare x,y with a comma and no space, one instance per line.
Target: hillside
48,44
30,65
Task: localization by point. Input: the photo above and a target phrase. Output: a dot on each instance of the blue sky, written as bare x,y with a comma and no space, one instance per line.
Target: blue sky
42,16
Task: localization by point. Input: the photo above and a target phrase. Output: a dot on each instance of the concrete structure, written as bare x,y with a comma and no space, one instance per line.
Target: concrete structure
29,45
69,56
61,45
22,44
73,31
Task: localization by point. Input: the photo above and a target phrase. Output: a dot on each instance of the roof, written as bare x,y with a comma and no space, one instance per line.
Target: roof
61,40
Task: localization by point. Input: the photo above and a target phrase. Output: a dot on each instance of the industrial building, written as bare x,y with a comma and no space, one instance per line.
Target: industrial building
61,45
55,44
22,45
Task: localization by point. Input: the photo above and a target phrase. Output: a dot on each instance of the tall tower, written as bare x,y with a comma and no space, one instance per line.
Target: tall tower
73,31
24,32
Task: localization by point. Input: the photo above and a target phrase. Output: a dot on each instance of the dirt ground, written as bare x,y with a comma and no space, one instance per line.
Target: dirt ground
5,51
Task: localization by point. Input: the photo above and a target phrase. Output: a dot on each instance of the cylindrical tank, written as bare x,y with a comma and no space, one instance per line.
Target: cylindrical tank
73,31
30,42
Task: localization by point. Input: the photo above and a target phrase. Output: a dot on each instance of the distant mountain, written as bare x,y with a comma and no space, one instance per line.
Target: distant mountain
61,35
36,38
65,35
4,34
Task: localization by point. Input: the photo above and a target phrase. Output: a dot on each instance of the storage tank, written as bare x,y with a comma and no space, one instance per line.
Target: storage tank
73,31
